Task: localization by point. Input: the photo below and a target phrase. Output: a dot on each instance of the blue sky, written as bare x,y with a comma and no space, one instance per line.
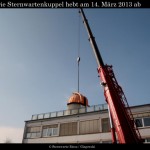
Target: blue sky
38,52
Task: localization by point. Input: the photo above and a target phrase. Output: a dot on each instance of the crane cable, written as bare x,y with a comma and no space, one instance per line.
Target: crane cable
78,58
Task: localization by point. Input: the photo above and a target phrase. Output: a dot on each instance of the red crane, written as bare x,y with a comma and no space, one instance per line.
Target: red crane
122,118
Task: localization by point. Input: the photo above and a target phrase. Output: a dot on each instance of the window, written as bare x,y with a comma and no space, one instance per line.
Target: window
146,122
138,122
89,126
142,122
105,125
50,130
33,132
68,128
147,140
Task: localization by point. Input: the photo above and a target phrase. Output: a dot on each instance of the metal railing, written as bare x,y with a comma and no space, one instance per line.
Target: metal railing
81,110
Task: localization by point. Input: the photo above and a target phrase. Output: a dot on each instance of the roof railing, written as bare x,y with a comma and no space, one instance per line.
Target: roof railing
67,112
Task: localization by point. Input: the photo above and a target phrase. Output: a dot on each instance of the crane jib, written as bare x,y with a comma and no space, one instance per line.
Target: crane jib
122,118
92,40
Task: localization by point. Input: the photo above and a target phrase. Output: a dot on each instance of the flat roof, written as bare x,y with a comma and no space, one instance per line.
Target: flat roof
69,112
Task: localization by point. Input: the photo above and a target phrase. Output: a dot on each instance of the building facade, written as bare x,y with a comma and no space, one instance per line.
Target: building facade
80,123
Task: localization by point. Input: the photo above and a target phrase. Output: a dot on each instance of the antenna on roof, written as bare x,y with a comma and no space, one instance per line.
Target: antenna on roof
78,58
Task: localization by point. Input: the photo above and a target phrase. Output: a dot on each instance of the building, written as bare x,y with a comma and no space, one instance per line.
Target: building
80,123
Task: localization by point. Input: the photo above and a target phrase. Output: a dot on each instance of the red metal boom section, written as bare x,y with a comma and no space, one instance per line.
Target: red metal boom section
125,127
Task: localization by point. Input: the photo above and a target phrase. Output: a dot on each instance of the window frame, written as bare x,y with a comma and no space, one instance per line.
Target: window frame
142,121
109,128
49,130
33,132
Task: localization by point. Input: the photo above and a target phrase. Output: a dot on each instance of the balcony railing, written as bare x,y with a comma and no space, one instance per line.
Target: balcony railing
81,110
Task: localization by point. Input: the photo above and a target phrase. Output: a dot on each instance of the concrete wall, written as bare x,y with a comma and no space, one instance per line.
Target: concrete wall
88,138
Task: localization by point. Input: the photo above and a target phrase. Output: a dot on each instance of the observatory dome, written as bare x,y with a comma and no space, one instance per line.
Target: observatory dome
77,98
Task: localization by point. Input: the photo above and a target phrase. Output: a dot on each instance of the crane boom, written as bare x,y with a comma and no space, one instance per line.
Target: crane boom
92,41
123,120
